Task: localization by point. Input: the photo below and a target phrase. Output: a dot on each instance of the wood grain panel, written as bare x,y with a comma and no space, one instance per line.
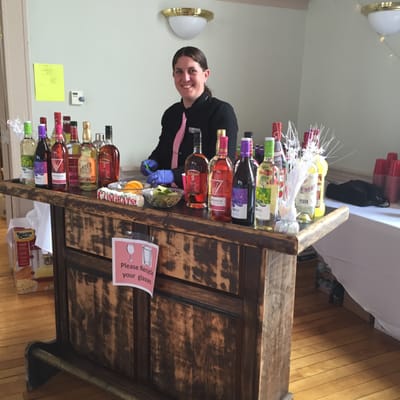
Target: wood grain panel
277,317
93,233
208,262
85,232
101,321
193,351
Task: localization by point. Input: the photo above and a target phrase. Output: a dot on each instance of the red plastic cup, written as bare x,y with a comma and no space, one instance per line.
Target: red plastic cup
394,169
381,166
380,172
392,183
392,156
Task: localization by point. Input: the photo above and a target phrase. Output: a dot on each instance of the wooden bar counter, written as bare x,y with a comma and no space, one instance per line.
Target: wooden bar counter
219,324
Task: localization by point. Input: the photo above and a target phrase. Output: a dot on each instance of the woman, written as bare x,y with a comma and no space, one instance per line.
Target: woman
197,109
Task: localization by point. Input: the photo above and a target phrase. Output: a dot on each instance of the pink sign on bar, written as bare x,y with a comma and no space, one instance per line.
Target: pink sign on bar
134,263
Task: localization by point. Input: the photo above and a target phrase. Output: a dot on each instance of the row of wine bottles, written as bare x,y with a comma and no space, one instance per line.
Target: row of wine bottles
63,162
247,192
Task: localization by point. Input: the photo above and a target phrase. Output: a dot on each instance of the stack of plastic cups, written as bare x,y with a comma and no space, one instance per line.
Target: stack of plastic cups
380,172
392,184
391,157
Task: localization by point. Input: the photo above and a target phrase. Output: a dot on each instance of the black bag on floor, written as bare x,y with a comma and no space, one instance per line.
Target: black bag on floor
358,193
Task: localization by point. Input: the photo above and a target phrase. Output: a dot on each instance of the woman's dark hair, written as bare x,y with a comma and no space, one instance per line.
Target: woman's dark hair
196,55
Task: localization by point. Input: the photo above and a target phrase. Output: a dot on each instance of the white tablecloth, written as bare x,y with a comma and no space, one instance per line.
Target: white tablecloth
364,255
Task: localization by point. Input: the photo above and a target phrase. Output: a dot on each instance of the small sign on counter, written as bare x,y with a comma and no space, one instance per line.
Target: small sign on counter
134,263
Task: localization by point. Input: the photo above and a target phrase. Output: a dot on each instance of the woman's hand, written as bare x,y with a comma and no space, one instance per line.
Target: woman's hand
161,177
148,166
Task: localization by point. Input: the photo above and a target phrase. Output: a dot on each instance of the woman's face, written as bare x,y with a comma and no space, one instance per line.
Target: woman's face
189,79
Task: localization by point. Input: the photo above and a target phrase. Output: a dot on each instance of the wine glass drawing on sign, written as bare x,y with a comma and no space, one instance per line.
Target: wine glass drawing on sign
147,255
130,248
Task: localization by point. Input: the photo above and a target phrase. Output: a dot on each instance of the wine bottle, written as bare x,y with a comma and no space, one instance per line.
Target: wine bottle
279,159
243,187
259,153
253,161
196,170
42,160
267,186
306,199
74,152
322,170
87,163
109,160
57,121
220,183
99,140
43,121
220,132
67,128
59,162
27,148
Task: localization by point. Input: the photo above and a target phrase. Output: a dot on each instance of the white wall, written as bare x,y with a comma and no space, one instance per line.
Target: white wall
350,83
119,53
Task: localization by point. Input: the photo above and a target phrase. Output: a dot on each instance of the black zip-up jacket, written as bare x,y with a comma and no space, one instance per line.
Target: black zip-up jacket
208,114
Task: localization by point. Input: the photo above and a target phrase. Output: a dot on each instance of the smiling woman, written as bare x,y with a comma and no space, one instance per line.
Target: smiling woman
196,109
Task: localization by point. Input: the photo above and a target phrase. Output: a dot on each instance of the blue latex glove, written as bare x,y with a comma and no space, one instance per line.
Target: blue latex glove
148,166
161,177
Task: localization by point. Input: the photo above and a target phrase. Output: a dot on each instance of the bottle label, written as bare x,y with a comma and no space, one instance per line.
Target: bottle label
57,165
264,195
307,196
105,168
27,162
263,212
27,175
58,173
193,181
218,203
239,203
263,203
73,170
87,169
59,178
41,173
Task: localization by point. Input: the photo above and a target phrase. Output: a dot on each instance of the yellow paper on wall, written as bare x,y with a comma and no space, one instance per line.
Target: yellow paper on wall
49,82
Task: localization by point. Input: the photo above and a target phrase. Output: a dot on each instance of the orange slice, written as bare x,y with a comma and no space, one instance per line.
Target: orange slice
133,185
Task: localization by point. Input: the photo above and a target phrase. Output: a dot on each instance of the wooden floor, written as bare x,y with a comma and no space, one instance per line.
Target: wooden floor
335,354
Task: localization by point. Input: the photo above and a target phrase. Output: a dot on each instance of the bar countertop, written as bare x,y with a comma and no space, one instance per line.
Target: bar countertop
183,217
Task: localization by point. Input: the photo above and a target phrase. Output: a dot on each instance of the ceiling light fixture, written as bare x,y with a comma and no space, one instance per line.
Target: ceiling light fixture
384,17
187,23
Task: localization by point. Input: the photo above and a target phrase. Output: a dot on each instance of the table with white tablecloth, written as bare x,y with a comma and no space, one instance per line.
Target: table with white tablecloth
364,256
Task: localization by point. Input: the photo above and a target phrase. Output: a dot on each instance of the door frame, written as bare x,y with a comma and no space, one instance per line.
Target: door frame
15,89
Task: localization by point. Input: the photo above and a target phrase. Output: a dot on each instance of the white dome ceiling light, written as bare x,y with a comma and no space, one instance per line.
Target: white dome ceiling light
384,17
187,23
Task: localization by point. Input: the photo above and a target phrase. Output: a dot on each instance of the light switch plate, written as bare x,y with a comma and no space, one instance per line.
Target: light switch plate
76,97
